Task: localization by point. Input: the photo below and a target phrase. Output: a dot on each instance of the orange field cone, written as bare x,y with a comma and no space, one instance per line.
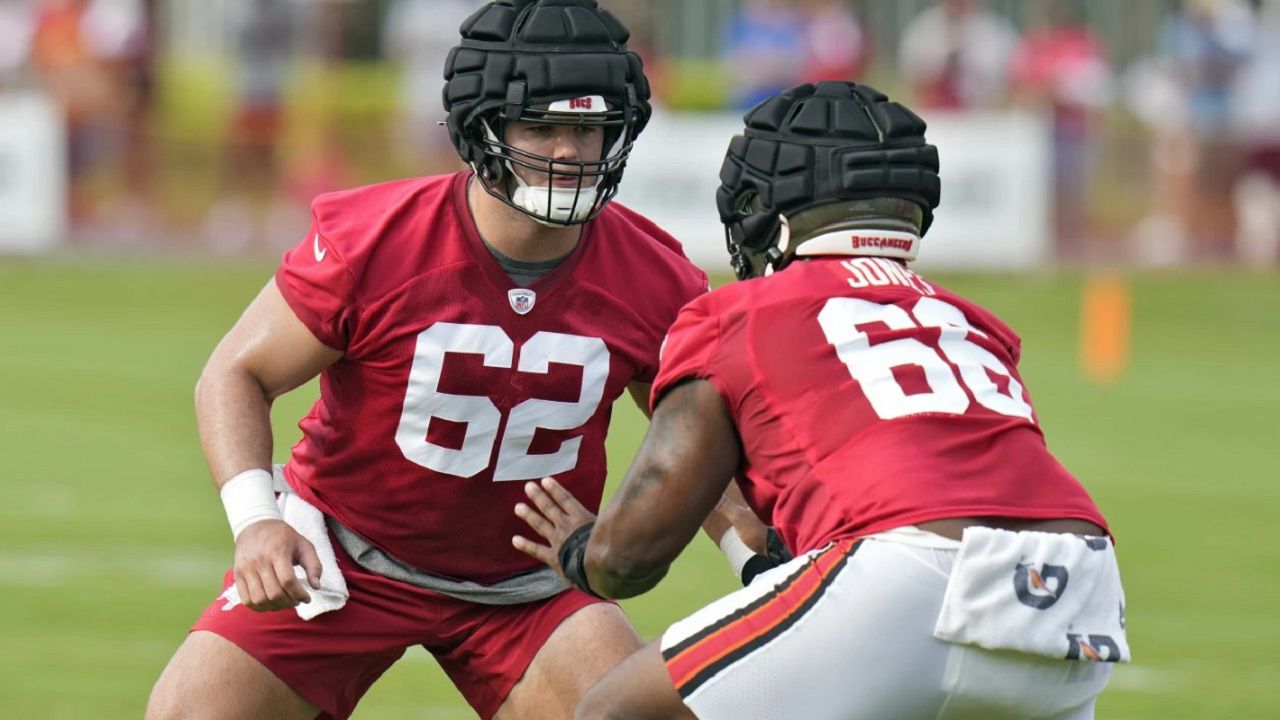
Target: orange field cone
1105,328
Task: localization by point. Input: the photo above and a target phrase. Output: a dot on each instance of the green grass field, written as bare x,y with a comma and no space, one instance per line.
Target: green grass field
112,539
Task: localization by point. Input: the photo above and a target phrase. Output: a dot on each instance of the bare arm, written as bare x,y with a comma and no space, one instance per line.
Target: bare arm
267,353
679,475
640,394
732,510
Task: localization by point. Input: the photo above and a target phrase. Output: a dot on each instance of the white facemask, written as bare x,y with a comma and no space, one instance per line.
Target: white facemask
543,203
555,203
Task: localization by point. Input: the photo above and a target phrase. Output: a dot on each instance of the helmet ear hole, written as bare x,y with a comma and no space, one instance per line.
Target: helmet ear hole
748,203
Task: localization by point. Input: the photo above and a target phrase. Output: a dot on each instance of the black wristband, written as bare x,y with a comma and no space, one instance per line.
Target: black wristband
756,565
774,548
776,553
573,555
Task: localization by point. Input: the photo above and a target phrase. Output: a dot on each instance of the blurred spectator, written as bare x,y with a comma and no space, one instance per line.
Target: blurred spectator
1155,95
838,47
1203,46
321,163
249,173
954,55
1206,50
16,28
116,31
641,18
1254,110
764,49
119,34
67,68
322,167
418,34
1060,66
263,41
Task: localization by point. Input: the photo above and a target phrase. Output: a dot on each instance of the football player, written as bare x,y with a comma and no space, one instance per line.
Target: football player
471,332
947,566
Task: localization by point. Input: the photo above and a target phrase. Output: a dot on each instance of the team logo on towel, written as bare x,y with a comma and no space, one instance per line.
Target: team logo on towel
1041,588
1092,648
521,300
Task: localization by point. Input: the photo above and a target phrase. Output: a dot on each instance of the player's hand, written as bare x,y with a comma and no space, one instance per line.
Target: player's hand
266,552
554,514
731,514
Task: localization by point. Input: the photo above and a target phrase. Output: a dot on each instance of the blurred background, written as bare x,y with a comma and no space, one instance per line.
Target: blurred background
1139,132
1111,188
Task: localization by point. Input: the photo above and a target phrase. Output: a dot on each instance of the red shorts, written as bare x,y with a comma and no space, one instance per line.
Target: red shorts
333,659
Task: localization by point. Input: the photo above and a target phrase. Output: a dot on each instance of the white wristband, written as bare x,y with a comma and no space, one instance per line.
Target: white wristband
248,498
736,550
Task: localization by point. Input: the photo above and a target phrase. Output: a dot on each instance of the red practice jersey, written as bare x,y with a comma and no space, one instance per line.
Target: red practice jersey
456,385
868,398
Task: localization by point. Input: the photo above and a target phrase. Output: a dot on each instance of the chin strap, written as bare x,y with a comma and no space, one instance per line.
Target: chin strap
774,255
548,205
557,205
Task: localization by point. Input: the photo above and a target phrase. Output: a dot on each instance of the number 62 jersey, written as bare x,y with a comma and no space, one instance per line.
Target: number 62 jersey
867,398
455,385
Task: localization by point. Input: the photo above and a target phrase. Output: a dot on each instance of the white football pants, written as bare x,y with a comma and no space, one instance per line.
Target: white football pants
850,637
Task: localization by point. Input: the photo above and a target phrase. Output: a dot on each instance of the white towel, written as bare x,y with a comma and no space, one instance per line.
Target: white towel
309,522
1050,594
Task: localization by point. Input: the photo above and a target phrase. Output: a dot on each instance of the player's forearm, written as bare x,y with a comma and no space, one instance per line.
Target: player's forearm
677,477
617,574
234,417
617,587
639,533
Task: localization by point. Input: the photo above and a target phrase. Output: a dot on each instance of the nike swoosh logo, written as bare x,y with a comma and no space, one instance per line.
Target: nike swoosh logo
320,252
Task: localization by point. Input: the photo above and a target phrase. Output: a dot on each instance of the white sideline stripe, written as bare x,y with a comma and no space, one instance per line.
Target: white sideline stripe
1136,678
132,565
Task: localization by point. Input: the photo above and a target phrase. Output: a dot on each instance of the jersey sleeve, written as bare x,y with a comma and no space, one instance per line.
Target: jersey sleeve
319,286
670,280
686,293
688,350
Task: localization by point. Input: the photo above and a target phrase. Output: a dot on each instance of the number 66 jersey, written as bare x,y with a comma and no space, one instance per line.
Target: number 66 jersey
867,398
455,385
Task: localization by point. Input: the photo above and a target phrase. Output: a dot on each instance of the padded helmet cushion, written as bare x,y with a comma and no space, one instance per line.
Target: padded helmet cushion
814,145
517,54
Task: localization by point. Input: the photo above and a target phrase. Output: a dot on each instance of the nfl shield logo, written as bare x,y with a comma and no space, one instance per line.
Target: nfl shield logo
521,300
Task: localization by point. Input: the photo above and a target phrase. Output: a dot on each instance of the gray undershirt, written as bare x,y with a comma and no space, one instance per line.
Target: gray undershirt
524,273
532,586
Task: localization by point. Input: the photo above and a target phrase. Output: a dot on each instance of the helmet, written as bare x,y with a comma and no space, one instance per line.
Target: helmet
561,62
837,157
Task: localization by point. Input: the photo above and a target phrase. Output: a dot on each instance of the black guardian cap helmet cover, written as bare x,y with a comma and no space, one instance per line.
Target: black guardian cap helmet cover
814,146
560,62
